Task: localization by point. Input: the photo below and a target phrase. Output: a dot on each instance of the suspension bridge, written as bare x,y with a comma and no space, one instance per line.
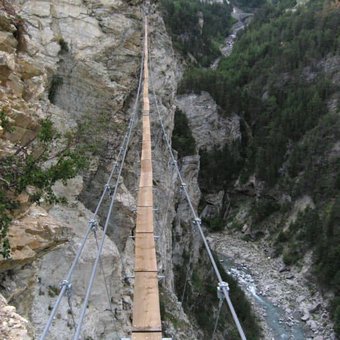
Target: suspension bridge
146,315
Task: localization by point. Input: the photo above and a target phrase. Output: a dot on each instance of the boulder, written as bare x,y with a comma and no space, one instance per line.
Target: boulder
7,42
31,235
7,65
12,325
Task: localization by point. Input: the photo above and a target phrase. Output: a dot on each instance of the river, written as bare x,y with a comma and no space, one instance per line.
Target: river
287,303
242,19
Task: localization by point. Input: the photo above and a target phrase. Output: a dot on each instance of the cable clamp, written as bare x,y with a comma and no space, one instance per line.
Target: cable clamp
197,221
220,287
93,224
110,189
68,287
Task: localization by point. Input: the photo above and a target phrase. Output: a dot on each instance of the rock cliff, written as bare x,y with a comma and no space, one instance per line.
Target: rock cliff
78,65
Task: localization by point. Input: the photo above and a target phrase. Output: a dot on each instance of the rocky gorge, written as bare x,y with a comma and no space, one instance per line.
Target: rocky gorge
77,63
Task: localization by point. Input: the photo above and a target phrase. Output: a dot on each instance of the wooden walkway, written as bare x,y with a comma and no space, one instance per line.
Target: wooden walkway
146,311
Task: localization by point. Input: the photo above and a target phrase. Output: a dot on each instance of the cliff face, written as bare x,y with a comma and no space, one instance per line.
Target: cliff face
79,67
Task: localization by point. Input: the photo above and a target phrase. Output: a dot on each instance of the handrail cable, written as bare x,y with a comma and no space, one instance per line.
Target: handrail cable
100,249
66,284
197,221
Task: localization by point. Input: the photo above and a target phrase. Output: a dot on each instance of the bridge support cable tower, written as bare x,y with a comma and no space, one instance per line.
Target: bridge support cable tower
146,309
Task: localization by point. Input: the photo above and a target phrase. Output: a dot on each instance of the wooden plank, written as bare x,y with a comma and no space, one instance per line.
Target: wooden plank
146,152
146,165
146,173
144,223
146,136
145,197
145,253
146,122
147,336
146,311
145,179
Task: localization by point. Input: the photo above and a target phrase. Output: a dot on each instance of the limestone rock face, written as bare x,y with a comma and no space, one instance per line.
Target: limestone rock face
208,126
12,325
81,65
30,235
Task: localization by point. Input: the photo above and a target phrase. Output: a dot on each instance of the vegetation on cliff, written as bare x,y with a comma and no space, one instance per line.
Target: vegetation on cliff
182,140
281,78
33,170
197,28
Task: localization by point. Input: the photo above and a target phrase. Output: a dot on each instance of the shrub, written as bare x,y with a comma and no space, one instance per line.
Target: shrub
29,168
182,140
181,19
214,224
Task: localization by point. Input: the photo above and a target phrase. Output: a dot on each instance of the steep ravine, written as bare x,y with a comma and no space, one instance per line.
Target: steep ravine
287,300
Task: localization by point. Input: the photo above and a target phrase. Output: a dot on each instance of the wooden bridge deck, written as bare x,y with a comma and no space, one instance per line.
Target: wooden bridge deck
146,311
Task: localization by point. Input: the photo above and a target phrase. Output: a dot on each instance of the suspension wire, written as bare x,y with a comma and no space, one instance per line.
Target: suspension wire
186,279
91,223
197,221
103,272
69,301
220,303
99,251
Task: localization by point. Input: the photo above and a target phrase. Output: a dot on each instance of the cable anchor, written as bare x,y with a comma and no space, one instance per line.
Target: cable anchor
197,221
68,287
93,224
220,287
182,187
110,189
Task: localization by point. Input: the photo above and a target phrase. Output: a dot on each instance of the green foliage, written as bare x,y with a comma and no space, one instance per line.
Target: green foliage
4,122
249,4
201,300
291,255
263,208
242,306
273,54
182,140
303,234
275,80
219,167
182,20
214,224
328,249
37,164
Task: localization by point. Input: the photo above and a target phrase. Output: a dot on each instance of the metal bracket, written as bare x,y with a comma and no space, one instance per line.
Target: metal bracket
68,287
197,221
220,286
93,224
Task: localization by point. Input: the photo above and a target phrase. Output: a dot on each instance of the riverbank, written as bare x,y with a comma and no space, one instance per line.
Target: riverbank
299,303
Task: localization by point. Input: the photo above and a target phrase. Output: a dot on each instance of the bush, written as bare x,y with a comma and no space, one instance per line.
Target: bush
182,140
214,224
29,169
182,21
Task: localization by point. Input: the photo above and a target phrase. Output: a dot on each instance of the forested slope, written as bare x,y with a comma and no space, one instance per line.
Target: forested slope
282,79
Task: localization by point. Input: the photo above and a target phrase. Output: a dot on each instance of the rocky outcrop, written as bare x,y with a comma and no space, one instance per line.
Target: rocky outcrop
80,68
209,128
289,290
12,325
31,235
